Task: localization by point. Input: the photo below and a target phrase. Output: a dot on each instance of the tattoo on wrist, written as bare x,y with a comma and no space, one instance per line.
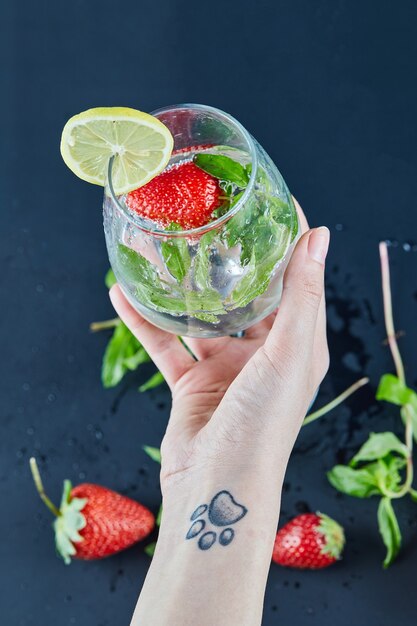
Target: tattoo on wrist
223,510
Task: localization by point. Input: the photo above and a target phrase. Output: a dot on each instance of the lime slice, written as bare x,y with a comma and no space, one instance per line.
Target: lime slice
140,144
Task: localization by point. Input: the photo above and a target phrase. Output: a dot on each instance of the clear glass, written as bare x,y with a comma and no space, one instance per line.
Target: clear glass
221,278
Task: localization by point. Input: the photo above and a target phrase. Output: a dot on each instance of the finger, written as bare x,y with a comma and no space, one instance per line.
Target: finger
301,216
164,348
294,329
321,353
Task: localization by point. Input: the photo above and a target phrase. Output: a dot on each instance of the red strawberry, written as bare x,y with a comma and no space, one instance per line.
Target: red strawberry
94,522
309,541
184,194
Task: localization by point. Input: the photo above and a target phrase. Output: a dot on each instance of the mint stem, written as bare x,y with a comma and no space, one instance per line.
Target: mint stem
392,342
336,401
97,326
389,321
39,486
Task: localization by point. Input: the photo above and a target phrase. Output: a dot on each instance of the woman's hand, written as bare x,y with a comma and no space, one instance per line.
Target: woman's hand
242,395
237,409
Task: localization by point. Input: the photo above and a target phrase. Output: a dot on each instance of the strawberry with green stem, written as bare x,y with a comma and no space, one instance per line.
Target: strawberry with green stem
309,541
92,521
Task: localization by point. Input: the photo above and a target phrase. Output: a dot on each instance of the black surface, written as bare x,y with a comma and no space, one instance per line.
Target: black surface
328,87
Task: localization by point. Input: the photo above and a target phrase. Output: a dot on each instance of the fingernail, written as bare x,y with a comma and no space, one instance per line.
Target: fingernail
318,244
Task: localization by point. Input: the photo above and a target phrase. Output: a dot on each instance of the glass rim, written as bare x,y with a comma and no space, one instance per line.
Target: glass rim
200,230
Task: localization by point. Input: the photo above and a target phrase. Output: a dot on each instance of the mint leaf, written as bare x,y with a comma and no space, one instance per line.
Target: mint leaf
110,279
360,483
389,529
154,381
159,516
176,255
392,390
153,453
123,353
387,472
145,277
223,167
378,446
284,213
202,261
150,549
160,300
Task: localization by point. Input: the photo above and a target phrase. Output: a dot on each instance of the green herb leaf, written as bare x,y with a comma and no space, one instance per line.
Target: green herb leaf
389,529
150,549
284,213
223,167
136,268
159,516
392,390
110,279
154,381
202,261
176,255
123,353
153,453
360,483
378,446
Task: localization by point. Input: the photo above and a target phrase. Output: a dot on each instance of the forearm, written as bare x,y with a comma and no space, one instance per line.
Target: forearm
223,584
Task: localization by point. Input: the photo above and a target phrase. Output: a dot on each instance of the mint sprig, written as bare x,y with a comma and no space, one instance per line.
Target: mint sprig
224,168
123,352
176,255
384,464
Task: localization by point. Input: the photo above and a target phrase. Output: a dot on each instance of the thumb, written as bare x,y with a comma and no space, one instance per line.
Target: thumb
295,325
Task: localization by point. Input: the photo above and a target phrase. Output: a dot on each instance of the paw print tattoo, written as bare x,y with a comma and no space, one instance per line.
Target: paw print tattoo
223,510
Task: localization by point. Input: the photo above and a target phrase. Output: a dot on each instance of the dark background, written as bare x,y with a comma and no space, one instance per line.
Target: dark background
329,89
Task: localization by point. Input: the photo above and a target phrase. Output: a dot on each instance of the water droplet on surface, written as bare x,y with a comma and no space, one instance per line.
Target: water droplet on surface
81,475
51,397
40,288
30,431
339,227
406,246
26,387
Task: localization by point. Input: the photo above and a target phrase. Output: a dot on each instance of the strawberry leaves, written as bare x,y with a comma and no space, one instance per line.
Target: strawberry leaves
68,524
